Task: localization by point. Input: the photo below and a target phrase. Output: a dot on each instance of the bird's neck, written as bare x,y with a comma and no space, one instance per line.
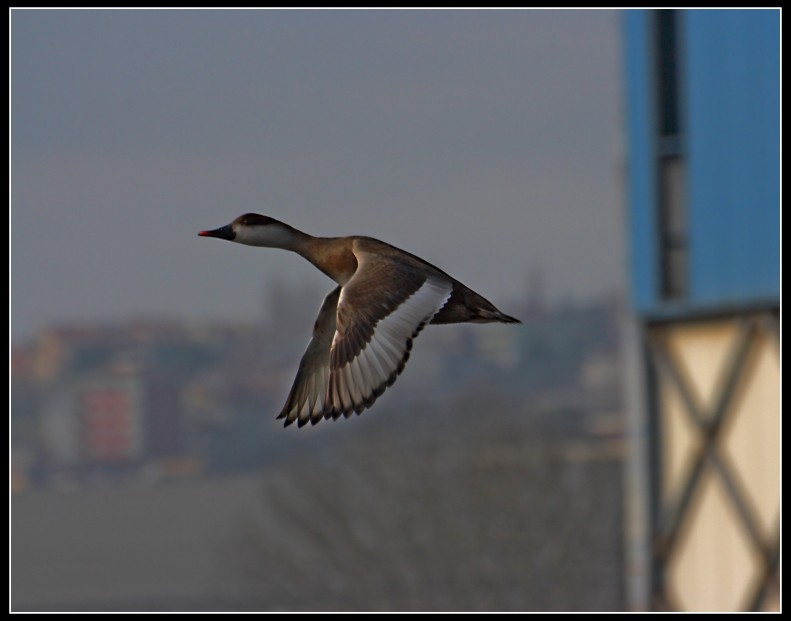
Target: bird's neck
332,255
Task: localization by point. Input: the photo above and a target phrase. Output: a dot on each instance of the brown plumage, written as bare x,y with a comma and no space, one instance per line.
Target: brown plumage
363,334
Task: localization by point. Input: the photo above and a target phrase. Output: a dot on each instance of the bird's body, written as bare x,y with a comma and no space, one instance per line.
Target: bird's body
364,331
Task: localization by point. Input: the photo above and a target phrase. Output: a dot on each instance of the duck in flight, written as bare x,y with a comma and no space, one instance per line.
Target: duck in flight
363,334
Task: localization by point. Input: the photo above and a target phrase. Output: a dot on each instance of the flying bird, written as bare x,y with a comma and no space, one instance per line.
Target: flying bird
364,331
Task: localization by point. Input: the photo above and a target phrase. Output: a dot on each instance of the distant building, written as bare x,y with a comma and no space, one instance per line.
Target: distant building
111,421
101,399
703,204
142,398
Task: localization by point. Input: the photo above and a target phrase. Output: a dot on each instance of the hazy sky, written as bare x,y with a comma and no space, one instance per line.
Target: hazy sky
486,142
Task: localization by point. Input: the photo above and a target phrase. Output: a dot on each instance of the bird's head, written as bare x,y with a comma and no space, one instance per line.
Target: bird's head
254,229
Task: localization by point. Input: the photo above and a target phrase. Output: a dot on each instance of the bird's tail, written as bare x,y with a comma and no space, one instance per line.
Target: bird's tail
487,315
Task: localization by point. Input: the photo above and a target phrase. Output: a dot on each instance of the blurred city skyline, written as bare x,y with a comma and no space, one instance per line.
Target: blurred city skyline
149,472
484,141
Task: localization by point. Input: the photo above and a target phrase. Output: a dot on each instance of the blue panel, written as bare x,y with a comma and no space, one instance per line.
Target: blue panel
640,178
732,86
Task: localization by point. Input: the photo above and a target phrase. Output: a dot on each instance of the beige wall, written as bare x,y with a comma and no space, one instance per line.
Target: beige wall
713,562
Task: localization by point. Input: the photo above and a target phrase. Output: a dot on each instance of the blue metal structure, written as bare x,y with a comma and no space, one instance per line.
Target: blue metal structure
702,91
729,140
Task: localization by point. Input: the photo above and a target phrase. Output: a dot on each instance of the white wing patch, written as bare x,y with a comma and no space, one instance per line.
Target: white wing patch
356,384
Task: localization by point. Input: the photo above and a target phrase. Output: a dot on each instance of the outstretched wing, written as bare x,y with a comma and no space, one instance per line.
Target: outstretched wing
362,338
380,311
306,401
